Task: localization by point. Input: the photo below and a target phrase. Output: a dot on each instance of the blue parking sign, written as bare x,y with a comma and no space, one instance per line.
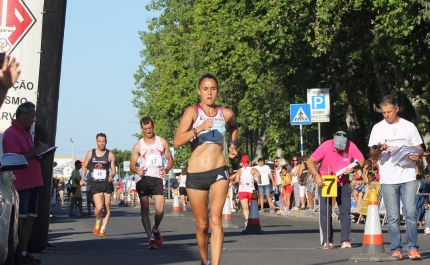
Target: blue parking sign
318,102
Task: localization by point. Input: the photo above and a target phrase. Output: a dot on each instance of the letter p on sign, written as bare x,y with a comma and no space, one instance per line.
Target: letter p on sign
318,102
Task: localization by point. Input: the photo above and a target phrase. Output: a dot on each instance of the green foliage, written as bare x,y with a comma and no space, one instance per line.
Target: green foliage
265,55
120,157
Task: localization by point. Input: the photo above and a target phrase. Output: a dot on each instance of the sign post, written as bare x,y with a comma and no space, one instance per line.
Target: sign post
319,99
328,190
300,114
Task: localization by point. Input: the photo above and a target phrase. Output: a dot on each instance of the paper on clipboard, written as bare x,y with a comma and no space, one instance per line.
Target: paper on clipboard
354,164
400,157
46,152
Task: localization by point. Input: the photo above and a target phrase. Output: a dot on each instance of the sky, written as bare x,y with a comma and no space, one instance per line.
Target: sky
101,53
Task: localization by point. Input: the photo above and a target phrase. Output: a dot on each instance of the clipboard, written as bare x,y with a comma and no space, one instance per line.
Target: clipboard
39,156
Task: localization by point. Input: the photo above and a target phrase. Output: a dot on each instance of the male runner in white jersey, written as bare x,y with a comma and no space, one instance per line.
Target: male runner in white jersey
101,164
151,149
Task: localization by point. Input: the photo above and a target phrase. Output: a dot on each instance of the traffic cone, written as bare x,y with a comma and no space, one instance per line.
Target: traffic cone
129,198
373,242
121,198
175,208
114,197
253,226
227,218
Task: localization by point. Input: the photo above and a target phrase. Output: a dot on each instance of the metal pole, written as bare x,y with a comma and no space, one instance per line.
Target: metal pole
72,150
301,140
328,217
319,133
168,184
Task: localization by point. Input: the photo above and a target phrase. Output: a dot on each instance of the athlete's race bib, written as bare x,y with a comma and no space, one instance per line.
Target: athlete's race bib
215,134
99,174
154,160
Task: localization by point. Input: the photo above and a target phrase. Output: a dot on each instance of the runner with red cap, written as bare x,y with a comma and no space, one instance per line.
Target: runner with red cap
245,178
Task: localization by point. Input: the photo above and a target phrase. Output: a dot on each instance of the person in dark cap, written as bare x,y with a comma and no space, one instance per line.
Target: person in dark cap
76,189
335,155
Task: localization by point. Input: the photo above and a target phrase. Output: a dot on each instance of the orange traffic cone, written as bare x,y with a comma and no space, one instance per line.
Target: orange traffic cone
253,223
373,242
128,198
121,199
227,218
175,208
114,197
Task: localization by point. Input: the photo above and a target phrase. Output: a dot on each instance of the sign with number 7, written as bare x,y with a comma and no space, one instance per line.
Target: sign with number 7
330,186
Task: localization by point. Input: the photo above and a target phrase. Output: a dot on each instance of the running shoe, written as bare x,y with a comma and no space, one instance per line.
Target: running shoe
427,231
414,255
286,212
295,208
184,209
246,224
102,233
330,245
346,244
29,259
232,210
158,238
397,254
152,244
261,211
96,229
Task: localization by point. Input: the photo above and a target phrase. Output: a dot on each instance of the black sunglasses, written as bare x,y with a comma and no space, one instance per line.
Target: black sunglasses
341,134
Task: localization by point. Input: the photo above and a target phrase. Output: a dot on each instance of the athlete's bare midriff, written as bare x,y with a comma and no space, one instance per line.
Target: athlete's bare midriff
206,157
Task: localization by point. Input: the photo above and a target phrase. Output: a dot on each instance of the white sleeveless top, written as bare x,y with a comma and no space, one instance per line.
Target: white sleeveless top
246,183
182,182
151,158
216,133
133,185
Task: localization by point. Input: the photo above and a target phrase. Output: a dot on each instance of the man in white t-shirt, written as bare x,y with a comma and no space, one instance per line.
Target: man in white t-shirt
397,182
264,187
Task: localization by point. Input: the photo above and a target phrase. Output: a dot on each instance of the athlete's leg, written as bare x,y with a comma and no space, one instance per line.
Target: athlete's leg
245,208
107,197
159,209
144,215
98,202
199,206
218,194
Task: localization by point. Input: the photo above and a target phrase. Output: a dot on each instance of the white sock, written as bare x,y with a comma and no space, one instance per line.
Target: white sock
151,239
154,231
99,221
103,227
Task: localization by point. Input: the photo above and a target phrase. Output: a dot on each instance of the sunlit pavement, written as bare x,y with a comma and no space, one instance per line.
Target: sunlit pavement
287,240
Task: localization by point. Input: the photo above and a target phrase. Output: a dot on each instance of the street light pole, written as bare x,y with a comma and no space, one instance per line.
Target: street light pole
72,149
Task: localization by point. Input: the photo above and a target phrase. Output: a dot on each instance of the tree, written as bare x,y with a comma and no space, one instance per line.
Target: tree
120,157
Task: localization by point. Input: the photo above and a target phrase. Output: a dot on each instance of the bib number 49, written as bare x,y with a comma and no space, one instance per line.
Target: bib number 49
330,186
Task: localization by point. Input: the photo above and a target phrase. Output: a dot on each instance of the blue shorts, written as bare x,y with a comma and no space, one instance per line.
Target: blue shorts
28,202
264,189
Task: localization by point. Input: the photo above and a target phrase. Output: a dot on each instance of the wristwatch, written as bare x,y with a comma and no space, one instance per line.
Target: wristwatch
233,142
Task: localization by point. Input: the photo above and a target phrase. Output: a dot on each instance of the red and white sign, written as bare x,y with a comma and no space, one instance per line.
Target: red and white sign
21,36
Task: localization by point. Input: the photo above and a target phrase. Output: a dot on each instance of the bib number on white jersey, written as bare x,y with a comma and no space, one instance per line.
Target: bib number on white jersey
99,174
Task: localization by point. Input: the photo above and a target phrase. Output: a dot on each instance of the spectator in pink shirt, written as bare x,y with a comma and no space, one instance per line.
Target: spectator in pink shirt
18,139
335,155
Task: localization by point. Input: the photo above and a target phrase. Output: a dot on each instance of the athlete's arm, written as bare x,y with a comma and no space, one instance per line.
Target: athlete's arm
183,133
84,168
255,172
112,166
230,119
133,160
168,155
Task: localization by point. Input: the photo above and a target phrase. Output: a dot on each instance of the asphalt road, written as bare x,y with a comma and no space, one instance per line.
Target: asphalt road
287,240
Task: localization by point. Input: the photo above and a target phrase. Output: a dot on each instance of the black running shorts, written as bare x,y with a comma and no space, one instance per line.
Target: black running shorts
147,186
204,180
183,191
101,187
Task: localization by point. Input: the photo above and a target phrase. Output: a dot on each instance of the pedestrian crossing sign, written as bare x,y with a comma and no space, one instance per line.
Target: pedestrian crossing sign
300,114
